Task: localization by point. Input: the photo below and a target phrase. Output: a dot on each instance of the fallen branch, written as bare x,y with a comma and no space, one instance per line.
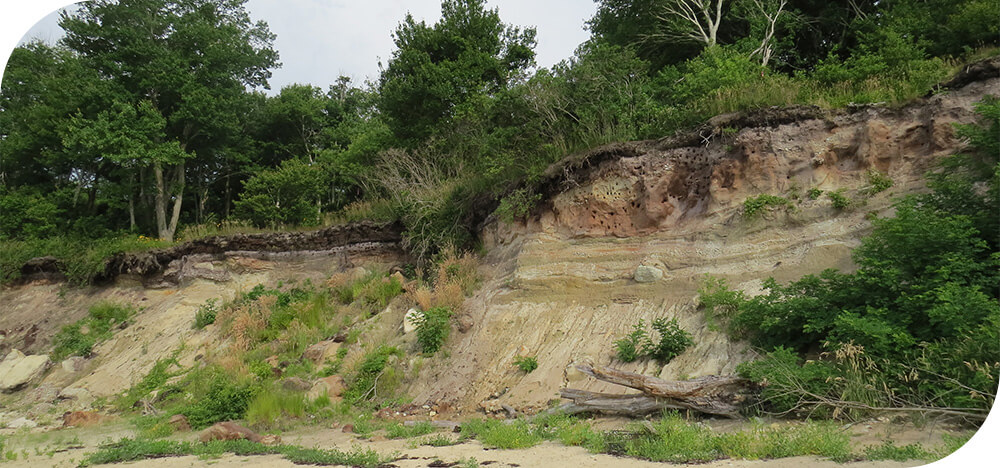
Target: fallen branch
719,395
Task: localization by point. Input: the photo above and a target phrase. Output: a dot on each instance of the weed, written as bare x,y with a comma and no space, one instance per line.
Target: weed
814,193
526,363
439,440
226,399
754,205
671,341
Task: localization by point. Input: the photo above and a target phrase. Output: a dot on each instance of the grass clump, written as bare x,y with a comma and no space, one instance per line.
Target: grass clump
671,341
495,433
370,379
433,328
439,440
274,405
890,451
526,363
719,301
754,205
79,338
128,450
400,431
226,398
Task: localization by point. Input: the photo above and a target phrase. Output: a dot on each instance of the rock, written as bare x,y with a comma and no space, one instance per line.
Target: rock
409,320
296,384
320,352
180,423
400,278
347,428
16,370
332,386
81,418
73,364
231,431
22,423
465,323
647,274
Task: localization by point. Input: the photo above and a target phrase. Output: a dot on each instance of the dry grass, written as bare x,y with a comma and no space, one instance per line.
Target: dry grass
456,277
244,323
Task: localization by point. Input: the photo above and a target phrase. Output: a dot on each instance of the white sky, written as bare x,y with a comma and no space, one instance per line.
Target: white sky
319,40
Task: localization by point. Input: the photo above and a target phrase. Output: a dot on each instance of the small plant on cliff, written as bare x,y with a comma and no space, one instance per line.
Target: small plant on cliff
877,182
814,193
526,363
718,300
517,205
205,315
754,205
840,201
433,327
673,340
79,338
628,348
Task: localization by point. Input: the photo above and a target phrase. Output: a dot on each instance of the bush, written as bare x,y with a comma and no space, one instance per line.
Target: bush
754,205
718,301
628,348
671,341
227,399
839,200
526,363
433,327
205,315
877,182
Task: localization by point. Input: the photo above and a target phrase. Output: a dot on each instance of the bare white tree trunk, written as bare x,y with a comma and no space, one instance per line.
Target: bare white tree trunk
695,20
766,47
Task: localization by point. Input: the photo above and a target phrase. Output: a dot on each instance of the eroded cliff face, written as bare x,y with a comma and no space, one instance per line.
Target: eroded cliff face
563,286
560,286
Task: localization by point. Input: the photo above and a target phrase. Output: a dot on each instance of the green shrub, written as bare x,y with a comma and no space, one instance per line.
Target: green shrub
206,314
877,182
754,205
839,200
526,363
226,399
628,349
814,193
672,340
433,327
517,205
79,338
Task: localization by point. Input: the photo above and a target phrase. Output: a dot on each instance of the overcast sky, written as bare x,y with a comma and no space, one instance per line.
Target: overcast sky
319,40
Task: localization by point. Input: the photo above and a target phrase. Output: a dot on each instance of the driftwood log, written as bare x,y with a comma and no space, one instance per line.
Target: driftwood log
713,394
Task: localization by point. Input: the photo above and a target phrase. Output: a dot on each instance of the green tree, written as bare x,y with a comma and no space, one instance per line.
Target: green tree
188,61
469,52
285,195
